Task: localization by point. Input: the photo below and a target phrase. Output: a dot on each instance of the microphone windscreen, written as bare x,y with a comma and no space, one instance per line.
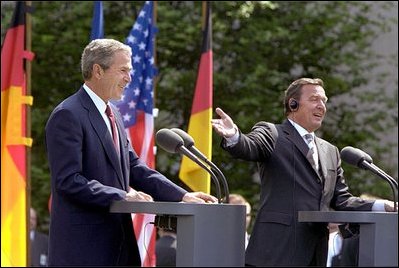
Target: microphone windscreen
188,140
168,140
354,156
367,157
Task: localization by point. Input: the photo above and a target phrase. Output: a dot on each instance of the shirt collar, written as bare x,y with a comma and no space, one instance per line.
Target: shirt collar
300,129
98,102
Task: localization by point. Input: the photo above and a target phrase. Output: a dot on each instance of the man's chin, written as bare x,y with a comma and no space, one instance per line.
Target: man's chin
116,98
317,125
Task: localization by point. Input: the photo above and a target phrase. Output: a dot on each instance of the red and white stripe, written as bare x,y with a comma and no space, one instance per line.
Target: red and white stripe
141,136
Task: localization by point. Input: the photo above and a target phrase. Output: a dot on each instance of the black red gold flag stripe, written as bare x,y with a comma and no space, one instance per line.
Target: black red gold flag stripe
201,113
14,226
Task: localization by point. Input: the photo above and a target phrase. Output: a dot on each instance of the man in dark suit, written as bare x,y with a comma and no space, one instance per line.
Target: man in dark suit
298,173
38,243
165,247
92,164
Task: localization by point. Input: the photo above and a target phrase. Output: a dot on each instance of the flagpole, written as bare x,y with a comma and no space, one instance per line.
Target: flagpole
154,15
155,80
203,18
28,66
155,110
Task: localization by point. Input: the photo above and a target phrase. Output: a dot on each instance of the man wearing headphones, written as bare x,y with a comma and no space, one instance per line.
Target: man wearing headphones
298,172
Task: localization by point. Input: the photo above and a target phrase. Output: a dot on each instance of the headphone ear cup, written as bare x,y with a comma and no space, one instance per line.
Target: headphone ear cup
293,105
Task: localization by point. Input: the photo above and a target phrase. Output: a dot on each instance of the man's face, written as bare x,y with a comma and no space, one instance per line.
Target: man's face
312,108
33,219
117,76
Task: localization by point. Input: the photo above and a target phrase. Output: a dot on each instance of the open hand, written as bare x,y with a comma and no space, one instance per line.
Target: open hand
224,126
199,197
389,206
134,195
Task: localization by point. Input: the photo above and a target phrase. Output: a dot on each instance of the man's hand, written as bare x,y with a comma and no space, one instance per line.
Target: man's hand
134,195
199,197
224,126
389,206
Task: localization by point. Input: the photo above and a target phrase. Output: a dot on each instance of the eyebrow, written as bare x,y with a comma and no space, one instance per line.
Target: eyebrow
324,98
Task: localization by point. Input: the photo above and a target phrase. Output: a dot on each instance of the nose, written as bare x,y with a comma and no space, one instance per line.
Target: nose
321,105
128,78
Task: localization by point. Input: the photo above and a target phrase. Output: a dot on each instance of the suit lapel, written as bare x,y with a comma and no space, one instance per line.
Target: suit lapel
297,140
322,150
103,134
124,154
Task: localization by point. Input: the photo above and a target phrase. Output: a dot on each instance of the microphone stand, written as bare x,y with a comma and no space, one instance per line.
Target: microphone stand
189,144
393,183
223,179
218,171
190,155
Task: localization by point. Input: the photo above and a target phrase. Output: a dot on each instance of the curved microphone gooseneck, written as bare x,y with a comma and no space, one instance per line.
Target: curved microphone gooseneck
189,143
358,158
173,143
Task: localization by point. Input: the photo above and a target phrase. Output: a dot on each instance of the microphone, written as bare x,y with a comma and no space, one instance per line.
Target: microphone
173,143
357,157
189,144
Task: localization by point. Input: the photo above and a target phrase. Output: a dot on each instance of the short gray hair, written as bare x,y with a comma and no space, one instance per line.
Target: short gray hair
294,90
101,51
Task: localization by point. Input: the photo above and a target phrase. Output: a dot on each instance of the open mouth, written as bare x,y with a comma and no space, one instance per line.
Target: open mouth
318,115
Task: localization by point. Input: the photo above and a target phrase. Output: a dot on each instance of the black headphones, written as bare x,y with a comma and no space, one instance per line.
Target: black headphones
294,105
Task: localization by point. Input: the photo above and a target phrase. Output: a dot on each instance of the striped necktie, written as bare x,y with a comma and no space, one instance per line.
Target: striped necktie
312,153
115,137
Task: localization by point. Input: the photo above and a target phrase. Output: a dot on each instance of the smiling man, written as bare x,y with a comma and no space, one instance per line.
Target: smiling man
299,172
93,164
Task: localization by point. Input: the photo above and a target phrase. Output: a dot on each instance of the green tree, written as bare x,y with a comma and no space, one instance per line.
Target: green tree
259,48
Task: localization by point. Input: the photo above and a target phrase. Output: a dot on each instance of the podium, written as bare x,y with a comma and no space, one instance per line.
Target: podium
207,234
378,238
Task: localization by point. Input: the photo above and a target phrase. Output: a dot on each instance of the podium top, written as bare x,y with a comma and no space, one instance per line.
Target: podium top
171,208
346,216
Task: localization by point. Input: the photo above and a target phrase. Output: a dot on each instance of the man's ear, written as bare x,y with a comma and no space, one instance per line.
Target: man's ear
97,71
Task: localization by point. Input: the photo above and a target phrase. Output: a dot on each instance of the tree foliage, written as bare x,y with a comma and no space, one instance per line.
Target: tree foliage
259,47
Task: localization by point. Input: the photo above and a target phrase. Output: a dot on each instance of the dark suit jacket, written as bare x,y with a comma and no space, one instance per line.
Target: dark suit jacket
39,250
289,184
86,176
165,251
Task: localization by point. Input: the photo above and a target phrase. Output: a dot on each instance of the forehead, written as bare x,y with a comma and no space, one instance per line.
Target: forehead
121,57
313,90
32,214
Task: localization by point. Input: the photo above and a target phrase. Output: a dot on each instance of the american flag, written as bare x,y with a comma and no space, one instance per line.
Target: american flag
136,108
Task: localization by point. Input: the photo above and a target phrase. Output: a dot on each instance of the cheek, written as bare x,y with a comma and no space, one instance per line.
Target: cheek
117,91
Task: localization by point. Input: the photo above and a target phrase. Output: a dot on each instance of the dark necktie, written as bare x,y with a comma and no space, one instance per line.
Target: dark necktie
312,151
111,117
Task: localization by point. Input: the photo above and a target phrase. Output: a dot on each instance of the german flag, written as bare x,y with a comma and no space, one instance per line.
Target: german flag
199,126
14,211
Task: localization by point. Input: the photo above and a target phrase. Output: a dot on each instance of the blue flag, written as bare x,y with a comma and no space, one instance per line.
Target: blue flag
97,25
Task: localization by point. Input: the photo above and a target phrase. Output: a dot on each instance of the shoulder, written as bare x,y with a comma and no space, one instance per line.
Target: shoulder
266,126
326,144
71,103
68,117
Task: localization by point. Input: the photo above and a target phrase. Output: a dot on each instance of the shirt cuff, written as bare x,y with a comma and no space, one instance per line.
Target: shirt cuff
233,140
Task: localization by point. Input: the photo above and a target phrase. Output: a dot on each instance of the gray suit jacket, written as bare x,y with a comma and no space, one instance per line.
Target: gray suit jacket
289,184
